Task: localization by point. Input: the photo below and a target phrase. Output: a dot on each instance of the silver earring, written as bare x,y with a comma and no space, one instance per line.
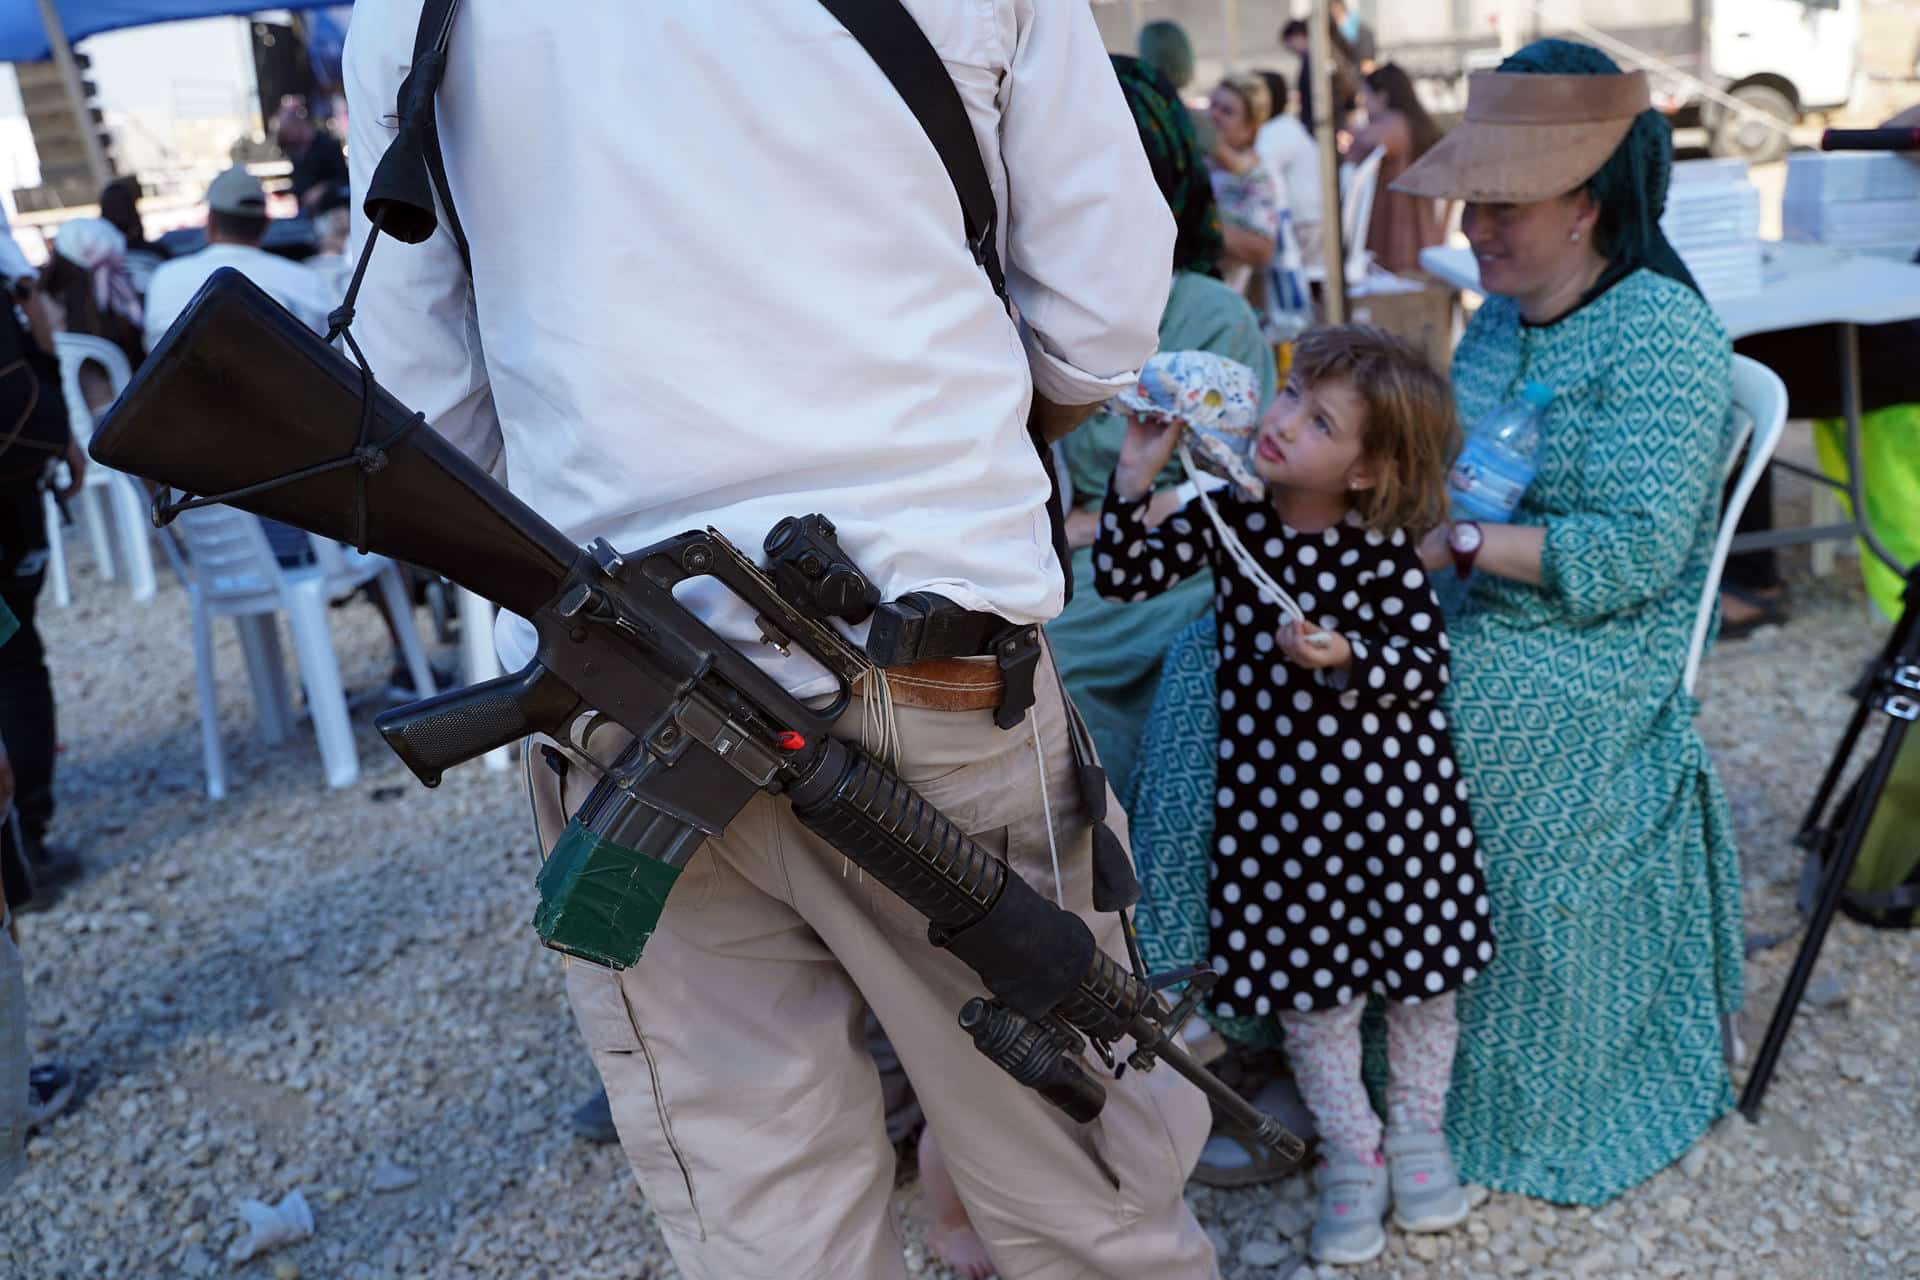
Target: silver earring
1575,237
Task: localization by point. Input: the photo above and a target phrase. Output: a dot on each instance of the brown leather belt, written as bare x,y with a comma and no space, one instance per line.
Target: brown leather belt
944,684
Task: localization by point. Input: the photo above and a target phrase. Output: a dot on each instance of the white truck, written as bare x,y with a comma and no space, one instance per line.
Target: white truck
1746,70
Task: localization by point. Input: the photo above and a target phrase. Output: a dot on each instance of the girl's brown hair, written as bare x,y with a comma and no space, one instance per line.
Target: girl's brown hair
1412,432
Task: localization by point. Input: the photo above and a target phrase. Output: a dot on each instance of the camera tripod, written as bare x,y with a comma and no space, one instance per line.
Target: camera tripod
1892,690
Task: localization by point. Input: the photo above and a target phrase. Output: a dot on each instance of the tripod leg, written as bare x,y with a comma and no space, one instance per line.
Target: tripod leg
1839,868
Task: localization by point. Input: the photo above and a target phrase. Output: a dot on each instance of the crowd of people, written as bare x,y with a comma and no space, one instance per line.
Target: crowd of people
1256,133
1496,821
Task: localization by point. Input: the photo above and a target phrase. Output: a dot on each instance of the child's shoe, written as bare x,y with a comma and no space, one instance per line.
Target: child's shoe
1353,1203
1427,1195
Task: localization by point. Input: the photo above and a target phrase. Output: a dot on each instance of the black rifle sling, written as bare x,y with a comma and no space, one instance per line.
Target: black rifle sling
902,51
400,198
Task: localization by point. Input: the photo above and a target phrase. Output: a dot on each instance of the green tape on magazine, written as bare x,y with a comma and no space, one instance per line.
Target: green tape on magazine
599,900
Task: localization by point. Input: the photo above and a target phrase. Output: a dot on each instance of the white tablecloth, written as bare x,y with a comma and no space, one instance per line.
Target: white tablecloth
1802,284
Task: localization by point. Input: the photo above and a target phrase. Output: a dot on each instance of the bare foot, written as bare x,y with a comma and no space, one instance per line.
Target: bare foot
960,1249
949,1233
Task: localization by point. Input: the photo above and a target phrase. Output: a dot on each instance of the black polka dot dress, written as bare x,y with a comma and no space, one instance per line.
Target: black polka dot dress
1344,860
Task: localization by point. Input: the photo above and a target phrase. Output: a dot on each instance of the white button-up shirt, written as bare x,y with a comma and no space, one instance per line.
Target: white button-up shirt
720,276
293,285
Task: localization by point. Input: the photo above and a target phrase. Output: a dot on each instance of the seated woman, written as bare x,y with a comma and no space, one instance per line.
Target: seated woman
87,283
1108,656
1590,1052
1402,225
1242,185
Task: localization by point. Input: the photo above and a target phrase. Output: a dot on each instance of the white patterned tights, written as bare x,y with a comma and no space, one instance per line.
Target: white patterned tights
1324,1050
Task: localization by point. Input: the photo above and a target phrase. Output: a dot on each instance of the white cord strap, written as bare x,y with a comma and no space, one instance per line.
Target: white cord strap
1046,807
1238,553
878,720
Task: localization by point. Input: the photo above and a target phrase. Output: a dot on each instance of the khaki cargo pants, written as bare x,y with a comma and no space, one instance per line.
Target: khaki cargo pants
747,1104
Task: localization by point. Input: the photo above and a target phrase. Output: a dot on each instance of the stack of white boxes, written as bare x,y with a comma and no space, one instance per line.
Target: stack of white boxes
1713,222
1861,201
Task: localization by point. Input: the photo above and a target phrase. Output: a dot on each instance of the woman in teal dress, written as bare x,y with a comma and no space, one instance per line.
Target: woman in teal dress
1109,655
1590,1052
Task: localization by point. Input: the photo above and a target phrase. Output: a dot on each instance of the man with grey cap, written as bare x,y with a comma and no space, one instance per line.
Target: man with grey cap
236,223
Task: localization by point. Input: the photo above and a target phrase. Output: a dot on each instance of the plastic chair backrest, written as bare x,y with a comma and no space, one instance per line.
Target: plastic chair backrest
1758,418
342,567
74,350
228,557
1356,211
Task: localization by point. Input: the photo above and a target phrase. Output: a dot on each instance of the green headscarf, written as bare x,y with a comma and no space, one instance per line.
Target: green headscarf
1630,189
1173,149
1164,45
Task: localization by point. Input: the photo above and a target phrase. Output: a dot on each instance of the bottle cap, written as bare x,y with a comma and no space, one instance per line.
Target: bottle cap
1537,394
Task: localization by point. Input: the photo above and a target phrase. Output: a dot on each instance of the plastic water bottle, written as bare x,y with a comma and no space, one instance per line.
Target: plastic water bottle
1499,458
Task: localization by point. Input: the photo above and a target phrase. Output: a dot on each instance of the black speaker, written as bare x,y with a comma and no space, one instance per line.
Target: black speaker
281,66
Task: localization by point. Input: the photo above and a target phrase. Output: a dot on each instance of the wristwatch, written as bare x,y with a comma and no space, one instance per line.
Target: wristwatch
1464,540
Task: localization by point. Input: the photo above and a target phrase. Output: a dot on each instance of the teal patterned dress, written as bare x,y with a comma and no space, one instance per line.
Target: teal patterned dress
1590,1050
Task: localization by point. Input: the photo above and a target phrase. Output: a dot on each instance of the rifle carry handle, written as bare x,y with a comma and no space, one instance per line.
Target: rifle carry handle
433,735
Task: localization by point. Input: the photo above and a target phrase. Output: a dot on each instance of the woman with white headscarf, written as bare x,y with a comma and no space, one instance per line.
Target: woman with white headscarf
87,282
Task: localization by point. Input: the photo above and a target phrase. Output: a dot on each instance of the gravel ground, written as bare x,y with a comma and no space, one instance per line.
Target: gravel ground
338,993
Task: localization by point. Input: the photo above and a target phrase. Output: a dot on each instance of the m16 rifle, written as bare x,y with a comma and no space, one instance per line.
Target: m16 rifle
242,402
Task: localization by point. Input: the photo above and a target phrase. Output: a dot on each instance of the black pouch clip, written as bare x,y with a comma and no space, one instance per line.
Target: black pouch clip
898,635
1017,652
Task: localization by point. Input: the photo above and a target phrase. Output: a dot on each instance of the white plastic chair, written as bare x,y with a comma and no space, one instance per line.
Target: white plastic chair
104,486
1359,184
478,660
231,572
1759,416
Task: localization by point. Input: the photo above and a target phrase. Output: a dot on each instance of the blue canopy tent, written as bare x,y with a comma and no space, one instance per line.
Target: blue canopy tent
23,37
36,30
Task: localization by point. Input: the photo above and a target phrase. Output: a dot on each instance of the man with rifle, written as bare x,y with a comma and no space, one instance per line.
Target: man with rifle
765,302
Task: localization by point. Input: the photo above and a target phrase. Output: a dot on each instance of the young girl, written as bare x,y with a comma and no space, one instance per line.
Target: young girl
1343,861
